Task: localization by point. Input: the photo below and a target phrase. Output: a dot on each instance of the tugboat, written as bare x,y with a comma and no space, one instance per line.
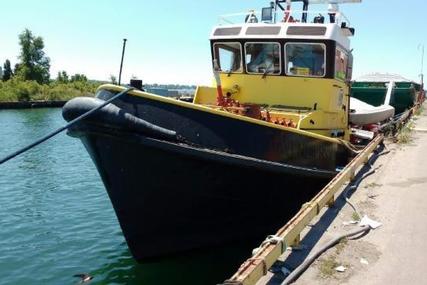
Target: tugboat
244,156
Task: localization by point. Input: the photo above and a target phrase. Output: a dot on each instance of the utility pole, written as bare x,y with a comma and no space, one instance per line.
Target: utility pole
121,63
422,66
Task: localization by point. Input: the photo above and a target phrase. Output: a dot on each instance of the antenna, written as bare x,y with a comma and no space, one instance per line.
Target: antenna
121,62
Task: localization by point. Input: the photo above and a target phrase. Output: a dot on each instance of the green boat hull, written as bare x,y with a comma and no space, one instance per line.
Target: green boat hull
403,97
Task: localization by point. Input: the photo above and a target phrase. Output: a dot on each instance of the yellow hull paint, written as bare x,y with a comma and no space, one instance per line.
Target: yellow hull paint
325,100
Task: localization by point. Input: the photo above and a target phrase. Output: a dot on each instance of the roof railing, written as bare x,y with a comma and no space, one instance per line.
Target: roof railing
293,16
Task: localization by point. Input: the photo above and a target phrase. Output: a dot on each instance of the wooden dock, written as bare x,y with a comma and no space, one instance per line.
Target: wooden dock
253,269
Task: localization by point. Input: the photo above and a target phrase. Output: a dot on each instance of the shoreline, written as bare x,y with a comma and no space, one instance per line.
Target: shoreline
32,104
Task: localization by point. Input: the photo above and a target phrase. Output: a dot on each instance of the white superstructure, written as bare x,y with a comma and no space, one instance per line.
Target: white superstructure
309,31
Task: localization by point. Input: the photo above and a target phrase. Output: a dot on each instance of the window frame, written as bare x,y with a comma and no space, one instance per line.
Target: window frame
241,70
261,73
306,43
346,71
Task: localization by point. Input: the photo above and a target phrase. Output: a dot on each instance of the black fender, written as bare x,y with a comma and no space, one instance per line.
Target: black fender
113,116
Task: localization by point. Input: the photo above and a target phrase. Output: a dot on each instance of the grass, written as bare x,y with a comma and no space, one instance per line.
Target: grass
327,266
404,134
372,185
419,111
342,244
15,90
355,216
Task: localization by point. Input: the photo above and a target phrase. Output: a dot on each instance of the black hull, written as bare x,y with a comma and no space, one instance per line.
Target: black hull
205,129
172,195
168,202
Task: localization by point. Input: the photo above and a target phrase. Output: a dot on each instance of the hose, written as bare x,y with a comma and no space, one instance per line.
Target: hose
356,184
387,151
301,268
350,147
354,187
61,129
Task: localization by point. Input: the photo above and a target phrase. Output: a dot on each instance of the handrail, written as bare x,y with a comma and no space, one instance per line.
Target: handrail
227,19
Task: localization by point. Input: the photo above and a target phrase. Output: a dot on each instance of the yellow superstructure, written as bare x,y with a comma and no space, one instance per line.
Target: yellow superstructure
317,105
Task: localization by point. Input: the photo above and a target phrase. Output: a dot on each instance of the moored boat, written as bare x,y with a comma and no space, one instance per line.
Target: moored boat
362,113
245,154
373,89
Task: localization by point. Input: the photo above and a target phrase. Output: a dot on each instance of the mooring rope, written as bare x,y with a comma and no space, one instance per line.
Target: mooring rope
61,129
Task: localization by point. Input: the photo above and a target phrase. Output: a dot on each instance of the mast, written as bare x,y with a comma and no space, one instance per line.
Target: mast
287,10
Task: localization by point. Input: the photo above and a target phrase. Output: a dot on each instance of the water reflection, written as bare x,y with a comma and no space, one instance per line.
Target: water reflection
210,266
57,220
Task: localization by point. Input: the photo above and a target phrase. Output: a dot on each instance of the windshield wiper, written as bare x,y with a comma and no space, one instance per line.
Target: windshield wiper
266,70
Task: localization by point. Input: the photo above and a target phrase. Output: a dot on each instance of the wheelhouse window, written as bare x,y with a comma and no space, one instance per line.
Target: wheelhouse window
305,59
263,58
229,56
341,64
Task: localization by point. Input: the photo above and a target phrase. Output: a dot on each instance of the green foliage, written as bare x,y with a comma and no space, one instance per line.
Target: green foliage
327,266
404,134
7,71
113,79
355,216
419,111
30,79
78,78
17,89
34,64
62,77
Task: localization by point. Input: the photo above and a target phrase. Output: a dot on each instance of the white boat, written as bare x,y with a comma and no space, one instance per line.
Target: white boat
362,113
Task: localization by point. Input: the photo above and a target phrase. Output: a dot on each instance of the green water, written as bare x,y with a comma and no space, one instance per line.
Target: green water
56,219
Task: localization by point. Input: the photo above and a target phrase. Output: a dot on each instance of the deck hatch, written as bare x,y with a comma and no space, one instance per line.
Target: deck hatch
263,31
227,31
306,31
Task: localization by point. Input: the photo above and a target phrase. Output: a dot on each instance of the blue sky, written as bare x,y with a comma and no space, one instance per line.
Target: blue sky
168,40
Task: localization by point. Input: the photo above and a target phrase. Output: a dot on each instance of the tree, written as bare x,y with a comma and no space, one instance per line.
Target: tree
113,79
62,77
7,71
78,77
34,63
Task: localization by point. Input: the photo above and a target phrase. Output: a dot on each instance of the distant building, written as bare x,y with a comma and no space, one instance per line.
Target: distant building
163,92
173,93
